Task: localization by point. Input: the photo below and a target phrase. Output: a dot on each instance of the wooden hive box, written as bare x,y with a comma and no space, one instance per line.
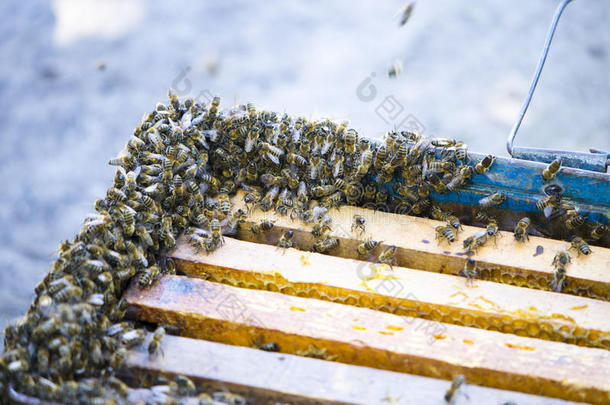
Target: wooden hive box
349,330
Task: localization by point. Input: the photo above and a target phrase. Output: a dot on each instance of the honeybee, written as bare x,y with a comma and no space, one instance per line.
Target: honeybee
395,69
325,245
366,247
215,233
574,220
521,230
262,226
286,240
154,346
463,176
358,223
444,232
148,276
405,13
551,170
580,245
388,257
493,230
349,141
493,199
598,231
559,279
484,165
455,386
474,242
561,259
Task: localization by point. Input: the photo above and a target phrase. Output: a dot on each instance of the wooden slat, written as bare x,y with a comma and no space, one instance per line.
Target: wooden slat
370,338
263,377
402,291
527,264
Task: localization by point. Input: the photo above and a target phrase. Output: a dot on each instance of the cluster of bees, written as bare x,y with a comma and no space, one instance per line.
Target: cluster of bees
176,176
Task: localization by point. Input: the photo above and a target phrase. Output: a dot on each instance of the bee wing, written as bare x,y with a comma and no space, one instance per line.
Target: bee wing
273,158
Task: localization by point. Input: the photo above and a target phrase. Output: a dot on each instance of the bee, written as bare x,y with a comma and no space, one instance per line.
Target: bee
213,110
224,203
472,243
229,398
296,159
263,226
349,140
455,386
405,13
521,230
395,69
461,151
184,386
484,165
493,230
598,231
325,245
286,240
559,279
154,346
445,232
574,220
580,245
125,161
132,338
252,115
561,259
268,347
366,247
551,170
388,256
461,179
148,276
493,199
358,223
438,184
215,231
549,204
117,358
452,220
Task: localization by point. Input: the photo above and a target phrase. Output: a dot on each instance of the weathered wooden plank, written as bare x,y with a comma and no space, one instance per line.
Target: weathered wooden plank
487,305
371,338
263,377
507,261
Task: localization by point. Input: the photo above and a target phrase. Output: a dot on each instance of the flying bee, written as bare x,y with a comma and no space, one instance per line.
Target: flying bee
367,247
455,386
484,165
561,259
394,69
521,230
559,279
388,257
598,231
580,245
358,223
445,232
154,346
286,240
405,13
493,199
551,170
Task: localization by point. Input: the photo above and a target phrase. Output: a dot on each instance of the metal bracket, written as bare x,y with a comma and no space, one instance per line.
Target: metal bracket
595,161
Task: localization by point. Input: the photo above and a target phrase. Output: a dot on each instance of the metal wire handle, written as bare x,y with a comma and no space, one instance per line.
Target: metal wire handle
530,93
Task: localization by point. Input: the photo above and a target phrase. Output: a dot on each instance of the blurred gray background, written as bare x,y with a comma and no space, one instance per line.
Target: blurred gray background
77,75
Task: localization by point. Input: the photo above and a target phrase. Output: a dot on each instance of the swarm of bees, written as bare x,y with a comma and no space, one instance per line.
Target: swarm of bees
177,174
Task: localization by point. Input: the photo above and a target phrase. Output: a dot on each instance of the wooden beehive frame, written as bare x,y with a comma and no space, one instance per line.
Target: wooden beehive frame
505,333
